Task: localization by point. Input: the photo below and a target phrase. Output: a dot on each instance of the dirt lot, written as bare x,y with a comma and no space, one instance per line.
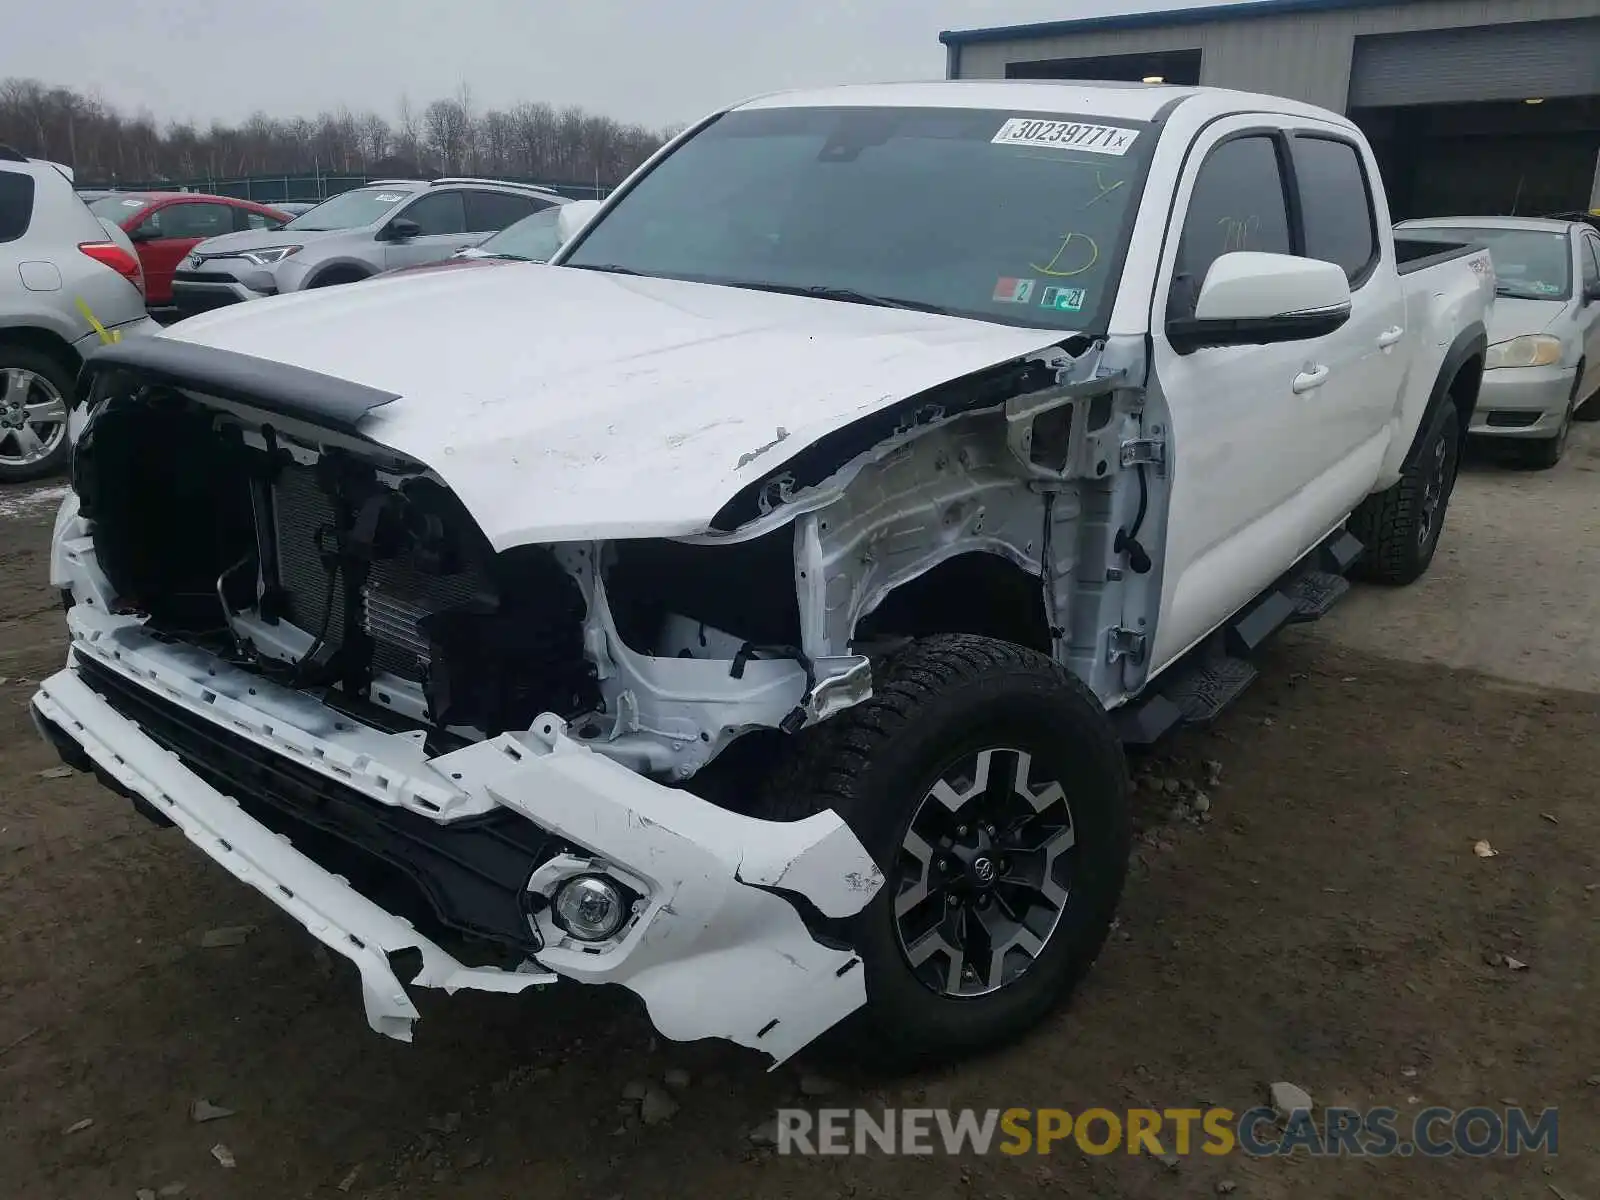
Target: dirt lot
1330,925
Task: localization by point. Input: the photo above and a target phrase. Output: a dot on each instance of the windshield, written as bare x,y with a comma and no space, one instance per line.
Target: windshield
1000,216
1529,264
534,238
120,207
350,210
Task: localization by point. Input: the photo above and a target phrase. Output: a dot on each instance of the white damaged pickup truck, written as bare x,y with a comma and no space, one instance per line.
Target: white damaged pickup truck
753,609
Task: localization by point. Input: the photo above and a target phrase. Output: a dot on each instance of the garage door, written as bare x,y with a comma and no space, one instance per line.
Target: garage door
1498,62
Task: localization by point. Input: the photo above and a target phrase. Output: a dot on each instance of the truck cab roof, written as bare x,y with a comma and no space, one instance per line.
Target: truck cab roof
1107,98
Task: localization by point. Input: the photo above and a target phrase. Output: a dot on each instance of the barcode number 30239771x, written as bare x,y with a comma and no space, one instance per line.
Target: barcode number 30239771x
1066,135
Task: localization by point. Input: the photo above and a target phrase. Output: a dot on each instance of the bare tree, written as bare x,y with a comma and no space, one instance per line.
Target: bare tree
531,140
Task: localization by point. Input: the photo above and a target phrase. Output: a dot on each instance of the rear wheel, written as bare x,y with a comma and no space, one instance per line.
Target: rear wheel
35,392
988,784
1400,527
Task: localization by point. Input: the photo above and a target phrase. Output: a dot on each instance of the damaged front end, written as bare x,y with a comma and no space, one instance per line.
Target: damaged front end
298,647
466,763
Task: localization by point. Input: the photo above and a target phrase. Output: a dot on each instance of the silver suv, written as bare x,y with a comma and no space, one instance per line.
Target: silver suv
59,267
378,227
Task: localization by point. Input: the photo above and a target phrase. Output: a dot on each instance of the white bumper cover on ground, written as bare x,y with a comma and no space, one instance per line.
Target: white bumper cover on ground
715,950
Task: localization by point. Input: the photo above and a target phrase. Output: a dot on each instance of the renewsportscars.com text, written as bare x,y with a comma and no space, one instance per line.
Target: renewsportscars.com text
1334,1132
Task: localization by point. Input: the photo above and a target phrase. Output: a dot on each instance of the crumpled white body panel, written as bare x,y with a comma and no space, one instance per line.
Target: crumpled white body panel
711,953
566,405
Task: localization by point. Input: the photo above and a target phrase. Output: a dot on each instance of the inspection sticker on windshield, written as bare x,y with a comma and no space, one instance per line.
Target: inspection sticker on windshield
1066,135
1065,299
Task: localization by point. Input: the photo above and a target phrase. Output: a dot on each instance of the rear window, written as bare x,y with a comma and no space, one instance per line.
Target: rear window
1336,204
1529,264
16,205
118,209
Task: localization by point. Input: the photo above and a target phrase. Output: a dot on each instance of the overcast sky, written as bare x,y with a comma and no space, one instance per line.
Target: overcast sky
652,63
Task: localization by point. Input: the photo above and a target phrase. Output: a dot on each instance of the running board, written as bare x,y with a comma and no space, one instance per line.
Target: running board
1195,691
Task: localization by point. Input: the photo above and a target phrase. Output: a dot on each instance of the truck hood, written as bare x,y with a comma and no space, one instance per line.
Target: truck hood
565,405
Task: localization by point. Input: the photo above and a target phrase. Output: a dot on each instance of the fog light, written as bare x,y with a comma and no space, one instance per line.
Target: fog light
590,908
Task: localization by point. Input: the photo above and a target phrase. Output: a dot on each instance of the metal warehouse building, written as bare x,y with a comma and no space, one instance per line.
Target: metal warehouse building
1472,106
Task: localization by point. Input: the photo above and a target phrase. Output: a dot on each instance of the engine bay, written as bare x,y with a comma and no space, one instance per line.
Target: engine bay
362,580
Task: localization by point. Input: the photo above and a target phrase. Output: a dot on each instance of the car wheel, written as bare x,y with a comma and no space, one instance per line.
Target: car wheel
35,394
1589,410
1400,527
335,278
988,784
1547,452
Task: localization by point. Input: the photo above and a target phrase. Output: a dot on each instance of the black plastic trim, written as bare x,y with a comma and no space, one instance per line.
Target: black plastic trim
278,388
1191,333
471,873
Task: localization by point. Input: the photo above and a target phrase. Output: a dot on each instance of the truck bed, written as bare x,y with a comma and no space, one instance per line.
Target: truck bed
1418,254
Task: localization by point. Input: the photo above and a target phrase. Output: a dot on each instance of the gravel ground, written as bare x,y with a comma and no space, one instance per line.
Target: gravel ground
1329,925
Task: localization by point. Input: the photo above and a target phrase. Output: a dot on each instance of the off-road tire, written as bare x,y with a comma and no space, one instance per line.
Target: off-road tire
933,702
60,377
1391,525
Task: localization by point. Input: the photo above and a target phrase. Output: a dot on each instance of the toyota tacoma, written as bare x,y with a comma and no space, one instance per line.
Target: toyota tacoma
762,626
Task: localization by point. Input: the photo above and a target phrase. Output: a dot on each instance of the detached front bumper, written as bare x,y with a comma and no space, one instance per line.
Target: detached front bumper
1523,402
735,935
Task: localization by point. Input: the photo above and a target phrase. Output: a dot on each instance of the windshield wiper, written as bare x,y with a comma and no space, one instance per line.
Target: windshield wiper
608,268
507,257
847,295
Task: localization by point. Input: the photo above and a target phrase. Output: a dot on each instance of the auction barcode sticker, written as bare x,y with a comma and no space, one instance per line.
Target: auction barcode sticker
1066,135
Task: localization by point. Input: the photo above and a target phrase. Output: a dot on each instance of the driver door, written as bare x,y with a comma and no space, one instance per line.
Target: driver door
1249,424
442,219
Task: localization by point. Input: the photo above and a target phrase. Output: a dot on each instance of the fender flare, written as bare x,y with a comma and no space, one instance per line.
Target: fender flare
1471,342
338,265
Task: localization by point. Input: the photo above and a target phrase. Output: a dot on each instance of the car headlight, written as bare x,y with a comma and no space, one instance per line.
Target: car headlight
273,254
1530,350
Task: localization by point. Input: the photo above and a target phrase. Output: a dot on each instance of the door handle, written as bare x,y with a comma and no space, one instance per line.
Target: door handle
1390,336
1310,379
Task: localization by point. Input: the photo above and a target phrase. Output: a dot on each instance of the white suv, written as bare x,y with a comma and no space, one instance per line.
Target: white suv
356,234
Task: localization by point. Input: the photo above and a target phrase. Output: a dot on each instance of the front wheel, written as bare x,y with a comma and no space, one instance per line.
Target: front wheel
1546,453
989,785
1400,527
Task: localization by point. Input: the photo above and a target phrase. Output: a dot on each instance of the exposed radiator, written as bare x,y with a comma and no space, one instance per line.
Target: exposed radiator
395,597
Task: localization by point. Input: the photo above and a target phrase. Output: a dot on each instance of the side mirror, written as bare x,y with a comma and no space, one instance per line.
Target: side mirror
574,216
1254,299
143,233
1591,294
400,230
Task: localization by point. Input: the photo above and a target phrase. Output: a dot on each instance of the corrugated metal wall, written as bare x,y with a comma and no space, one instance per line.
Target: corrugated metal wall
1306,57
1460,66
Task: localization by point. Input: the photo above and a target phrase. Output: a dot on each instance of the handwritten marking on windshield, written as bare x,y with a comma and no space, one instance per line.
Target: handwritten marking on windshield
1053,267
1104,190
1237,231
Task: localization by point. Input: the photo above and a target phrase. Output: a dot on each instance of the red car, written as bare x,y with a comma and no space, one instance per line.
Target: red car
165,226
